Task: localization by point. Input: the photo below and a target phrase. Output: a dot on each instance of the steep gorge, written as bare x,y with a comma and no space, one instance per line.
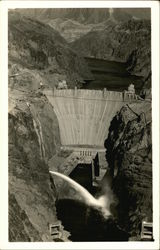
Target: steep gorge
38,54
31,191
128,42
129,156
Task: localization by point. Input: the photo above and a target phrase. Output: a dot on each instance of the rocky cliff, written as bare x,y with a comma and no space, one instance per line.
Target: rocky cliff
128,42
33,139
87,15
37,53
72,23
129,155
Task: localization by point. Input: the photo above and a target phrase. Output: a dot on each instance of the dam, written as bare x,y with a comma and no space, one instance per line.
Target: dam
84,116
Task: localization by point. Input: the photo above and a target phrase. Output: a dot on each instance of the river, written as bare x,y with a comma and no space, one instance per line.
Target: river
86,222
90,219
111,75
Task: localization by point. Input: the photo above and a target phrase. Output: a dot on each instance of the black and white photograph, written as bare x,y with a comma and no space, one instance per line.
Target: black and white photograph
80,133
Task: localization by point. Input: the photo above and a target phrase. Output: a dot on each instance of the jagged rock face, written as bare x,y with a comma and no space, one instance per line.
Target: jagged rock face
19,222
73,23
127,42
33,139
71,30
87,15
37,53
129,155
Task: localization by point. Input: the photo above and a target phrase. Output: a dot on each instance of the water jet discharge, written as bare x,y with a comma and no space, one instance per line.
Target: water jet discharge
84,118
99,203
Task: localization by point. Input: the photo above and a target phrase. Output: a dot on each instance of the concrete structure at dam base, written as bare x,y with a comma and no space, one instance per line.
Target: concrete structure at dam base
87,155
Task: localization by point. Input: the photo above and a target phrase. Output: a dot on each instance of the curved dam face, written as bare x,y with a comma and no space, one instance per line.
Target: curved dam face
84,116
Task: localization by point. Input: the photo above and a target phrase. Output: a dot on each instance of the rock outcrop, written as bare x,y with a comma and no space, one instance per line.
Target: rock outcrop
21,229
72,23
32,194
128,42
38,56
129,155
37,53
87,15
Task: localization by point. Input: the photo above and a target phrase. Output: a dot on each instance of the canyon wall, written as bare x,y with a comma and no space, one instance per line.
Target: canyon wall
129,155
128,42
38,54
33,140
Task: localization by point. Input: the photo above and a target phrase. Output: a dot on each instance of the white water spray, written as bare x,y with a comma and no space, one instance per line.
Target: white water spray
38,130
88,198
111,12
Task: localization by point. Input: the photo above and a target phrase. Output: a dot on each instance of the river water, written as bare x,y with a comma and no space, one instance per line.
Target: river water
111,75
86,222
89,219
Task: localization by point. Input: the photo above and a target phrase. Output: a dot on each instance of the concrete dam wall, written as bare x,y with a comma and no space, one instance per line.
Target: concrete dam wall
84,116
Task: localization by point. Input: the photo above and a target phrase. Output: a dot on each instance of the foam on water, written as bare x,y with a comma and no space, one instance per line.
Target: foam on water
88,198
